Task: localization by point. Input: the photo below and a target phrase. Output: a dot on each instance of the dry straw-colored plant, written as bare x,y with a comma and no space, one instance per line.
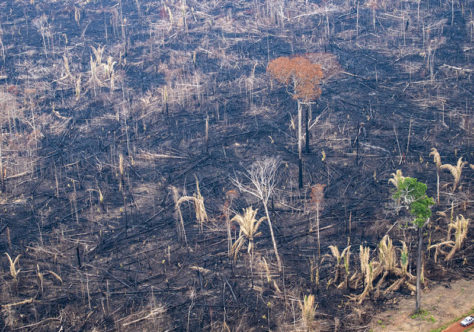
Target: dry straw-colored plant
308,311
368,272
13,271
344,258
455,171
387,265
387,255
397,178
248,230
461,227
437,161
199,208
269,274
387,259
436,157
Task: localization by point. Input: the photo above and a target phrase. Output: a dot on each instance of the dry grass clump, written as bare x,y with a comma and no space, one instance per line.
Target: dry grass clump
308,311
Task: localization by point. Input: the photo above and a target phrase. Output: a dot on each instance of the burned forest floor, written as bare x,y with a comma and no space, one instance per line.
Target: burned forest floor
127,125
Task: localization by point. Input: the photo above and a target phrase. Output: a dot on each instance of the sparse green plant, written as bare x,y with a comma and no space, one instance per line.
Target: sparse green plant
343,257
404,258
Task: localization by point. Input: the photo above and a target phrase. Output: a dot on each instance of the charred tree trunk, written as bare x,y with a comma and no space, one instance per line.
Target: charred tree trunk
307,148
300,147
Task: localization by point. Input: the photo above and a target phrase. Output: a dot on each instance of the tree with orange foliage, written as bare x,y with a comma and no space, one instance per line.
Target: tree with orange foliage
301,78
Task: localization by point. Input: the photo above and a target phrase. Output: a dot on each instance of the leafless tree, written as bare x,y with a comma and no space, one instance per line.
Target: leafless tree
262,176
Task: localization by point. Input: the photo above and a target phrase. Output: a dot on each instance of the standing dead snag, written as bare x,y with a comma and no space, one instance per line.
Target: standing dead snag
178,216
262,176
317,198
230,195
301,78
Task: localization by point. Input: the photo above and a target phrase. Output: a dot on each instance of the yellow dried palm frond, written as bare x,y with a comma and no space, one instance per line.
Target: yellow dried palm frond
13,271
54,274
234,251
438,249
397,177
248,230
387,254
436,157
335,253
197,199
455,171
461,225
267,270
248,223
364,255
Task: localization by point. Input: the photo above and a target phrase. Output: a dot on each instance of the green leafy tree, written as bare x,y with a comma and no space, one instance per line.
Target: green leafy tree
412,195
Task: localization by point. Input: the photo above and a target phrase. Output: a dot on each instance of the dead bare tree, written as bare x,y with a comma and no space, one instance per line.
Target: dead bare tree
262,177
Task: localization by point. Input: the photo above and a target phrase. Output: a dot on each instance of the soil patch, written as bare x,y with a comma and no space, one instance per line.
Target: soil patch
440,304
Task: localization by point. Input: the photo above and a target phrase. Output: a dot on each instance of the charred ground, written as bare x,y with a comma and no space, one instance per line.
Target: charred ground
104,107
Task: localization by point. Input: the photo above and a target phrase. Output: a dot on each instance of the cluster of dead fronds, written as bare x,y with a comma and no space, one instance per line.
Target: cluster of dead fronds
455,170
460,227
377,275
199,208
248,230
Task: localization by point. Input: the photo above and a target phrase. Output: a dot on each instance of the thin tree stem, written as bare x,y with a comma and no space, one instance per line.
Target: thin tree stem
275,248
